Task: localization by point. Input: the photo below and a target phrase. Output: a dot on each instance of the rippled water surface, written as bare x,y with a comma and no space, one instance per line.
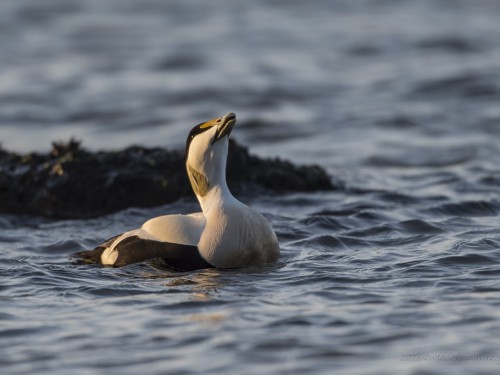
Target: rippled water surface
395,273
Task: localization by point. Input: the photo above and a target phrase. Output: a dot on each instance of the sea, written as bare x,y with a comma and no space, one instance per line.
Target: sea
395,272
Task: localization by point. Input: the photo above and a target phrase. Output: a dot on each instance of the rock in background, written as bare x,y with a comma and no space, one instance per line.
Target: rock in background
71,182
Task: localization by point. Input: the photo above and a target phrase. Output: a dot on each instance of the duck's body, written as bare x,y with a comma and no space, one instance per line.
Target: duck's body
226,234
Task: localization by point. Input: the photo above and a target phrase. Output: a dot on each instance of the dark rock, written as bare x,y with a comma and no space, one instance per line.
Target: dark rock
71,182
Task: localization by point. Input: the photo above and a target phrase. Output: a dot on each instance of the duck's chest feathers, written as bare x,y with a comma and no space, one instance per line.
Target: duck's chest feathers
237,235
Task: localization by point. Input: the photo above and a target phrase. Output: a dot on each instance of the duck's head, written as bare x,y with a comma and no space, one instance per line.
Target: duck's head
206,153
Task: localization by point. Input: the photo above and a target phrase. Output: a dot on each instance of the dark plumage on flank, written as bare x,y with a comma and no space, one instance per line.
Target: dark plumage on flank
135,249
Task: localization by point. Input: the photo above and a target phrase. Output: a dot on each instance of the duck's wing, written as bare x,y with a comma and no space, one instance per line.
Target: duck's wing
181,229
172,238
134,249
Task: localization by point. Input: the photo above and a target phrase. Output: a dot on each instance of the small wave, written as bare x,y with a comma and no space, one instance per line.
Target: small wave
490,180
397,197
482,244
377,230
355,243
422,269
417,226
450,44
371,216
63,247
323,221
466,259
386,339
486,289
466,85
16,332
291,321
350,209
488,272
403,241
424,157
467,208
391,231
182,61
324,241
365,50
398,122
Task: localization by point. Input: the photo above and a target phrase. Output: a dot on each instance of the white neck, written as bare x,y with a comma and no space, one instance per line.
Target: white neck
217,196
207,175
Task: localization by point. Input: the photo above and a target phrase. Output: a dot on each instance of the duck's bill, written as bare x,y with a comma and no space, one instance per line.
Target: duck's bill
225,127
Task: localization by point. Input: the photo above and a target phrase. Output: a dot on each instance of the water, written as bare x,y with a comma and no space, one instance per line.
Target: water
395,274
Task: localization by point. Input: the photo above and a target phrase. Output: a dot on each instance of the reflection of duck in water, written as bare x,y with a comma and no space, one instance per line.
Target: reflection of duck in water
226,234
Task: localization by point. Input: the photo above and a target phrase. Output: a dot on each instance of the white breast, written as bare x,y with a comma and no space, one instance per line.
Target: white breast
238,236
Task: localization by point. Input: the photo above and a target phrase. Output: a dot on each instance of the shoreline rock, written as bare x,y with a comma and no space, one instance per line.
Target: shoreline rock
70,182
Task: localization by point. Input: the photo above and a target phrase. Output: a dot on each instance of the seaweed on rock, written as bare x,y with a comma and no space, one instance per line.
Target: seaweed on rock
71,182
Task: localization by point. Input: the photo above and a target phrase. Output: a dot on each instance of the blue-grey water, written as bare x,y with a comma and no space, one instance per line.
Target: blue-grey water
396,273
